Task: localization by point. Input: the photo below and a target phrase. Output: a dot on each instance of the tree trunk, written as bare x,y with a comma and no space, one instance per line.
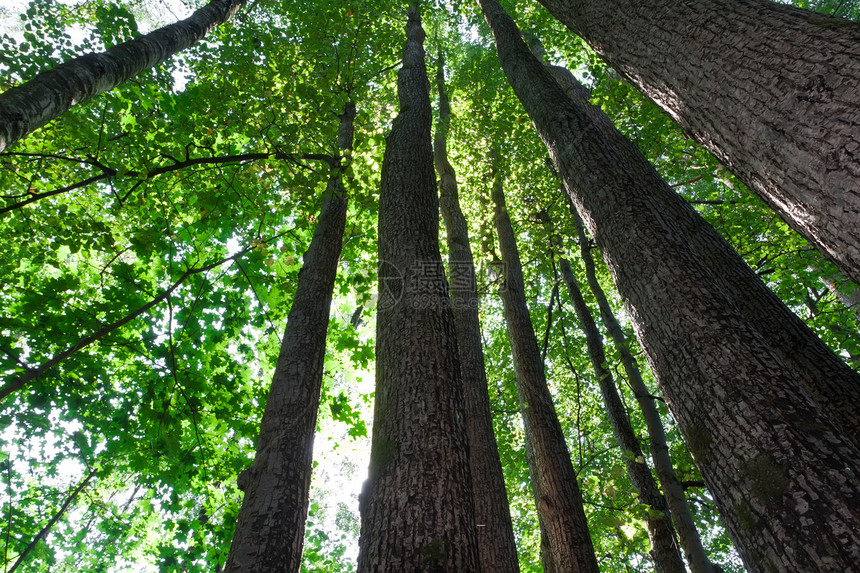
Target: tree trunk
270,530
691,542
33,104
783,477
826,378
770,90
496,543
565,540
664,548
416,505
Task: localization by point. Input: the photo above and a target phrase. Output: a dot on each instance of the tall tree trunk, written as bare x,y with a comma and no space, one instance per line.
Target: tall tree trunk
416,505
783,477
496,543
770,90
566,545
826,378
271,525
691,542
33,104
664,548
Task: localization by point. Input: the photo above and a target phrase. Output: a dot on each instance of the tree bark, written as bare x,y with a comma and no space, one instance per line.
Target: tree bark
496,542
565,540
676,500
827,379
416,505
688,535
33,104
769,89
784,479
664,548
270,530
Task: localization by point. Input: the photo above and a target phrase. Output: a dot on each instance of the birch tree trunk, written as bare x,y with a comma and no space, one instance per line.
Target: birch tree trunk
566,545
27,107
496,543
416,505
270,531
770,90
664,548
784,478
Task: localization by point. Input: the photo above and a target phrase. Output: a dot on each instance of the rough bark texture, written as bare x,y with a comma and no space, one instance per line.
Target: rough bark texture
771,90
271,525
496,543
565,540
826,378
416,506
31,105
691,542
664,548
784,479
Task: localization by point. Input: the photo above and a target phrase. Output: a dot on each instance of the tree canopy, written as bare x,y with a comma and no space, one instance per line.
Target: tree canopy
153,237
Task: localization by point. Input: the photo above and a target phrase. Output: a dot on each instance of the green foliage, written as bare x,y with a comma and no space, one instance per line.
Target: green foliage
132,209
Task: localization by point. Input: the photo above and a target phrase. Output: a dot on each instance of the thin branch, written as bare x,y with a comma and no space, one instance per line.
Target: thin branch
838,7
552,298
712,202
108,173
17,359
688,182
385,69
253,290
35,197
47,156
44,531
8,468
86,341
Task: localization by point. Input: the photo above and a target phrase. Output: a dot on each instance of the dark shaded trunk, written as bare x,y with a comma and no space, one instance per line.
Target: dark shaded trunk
664,548
565,540
676,500
33,104
770,90
496,543
783,477
416,505
271,524
673,491
826,378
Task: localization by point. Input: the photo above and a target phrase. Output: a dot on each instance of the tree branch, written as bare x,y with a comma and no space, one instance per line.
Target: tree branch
44,531
108,173
86,341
